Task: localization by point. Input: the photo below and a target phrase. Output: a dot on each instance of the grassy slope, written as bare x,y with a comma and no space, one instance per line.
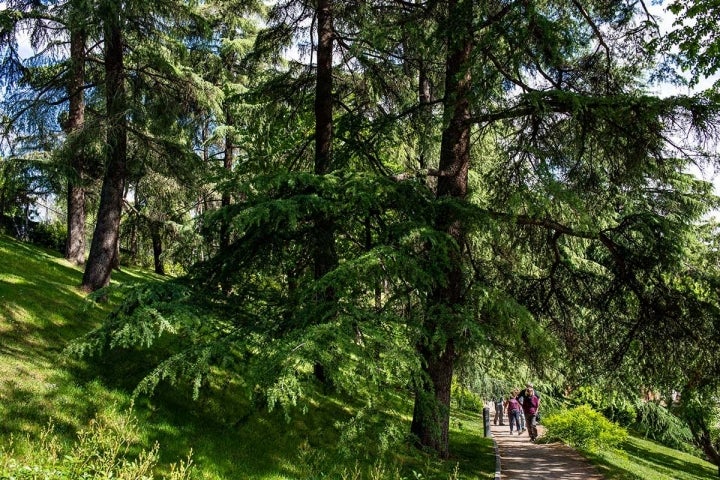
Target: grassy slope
41,310
642,459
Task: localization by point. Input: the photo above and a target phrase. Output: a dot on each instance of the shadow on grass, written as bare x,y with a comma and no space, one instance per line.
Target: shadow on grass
659,461
41,305
41,310
634,455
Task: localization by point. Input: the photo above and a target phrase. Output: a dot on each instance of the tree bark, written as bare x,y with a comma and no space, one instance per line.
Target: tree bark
325,256
75,246
105,237
226,199
431,412
431,415
323,88
155,233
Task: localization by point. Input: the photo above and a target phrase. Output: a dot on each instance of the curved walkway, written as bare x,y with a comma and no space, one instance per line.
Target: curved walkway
522,459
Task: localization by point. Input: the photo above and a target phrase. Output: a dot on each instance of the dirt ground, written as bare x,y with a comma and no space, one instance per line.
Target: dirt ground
522,459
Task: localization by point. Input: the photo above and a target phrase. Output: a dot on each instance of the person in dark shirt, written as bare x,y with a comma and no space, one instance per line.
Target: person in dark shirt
531,406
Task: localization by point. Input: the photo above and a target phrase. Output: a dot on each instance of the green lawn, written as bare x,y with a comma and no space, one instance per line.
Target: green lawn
643,459
41,310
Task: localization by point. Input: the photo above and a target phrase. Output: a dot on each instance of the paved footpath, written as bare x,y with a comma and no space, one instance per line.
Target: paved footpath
522,459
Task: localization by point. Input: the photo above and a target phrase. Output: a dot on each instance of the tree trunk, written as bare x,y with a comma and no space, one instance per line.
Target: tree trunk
325,256
75,246
324,253
157,247
424,117
225,200
107,229
133,236
431,415
323,88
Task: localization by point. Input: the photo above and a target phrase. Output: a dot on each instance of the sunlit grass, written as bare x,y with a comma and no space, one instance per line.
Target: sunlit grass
642,459
42,309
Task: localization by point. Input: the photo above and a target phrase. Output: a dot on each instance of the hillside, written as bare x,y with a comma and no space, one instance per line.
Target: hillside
41,310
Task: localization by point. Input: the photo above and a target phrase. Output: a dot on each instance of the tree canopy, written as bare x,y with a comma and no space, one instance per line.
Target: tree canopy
417,183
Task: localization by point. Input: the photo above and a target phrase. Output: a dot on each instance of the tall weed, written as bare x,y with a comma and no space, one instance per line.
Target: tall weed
107,448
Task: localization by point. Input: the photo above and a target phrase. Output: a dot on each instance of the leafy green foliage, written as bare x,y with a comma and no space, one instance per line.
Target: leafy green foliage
584,428
260,318
466,399
607,401
696,37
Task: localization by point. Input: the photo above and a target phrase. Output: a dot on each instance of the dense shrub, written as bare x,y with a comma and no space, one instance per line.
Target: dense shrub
52,235
584,428
48,234
466,400
610,404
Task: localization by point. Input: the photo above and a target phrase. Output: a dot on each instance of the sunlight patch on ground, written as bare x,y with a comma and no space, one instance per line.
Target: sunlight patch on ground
13,279
13,313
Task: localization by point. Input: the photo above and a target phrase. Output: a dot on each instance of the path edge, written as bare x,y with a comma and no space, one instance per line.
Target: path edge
497,457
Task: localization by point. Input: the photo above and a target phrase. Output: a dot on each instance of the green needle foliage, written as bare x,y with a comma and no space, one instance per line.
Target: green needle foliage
500,185
253,310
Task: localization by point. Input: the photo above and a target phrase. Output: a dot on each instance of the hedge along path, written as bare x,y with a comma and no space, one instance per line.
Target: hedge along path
521,459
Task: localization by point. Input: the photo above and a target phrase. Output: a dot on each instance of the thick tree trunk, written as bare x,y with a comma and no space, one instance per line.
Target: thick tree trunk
107,229
75,246
431,415
324,253
325,256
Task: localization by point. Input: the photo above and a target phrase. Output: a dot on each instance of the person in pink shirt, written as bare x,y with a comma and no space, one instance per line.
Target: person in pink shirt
514,411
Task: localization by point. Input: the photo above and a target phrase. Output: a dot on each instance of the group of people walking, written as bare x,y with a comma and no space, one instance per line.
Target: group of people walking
522,411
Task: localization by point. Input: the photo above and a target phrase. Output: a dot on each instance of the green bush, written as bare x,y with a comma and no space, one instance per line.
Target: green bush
610,404
584,428
466,400
52,235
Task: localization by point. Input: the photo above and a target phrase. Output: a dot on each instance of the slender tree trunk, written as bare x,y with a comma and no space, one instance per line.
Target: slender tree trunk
431,415
226,199
155,233
425,97
75,246
107,229
133,247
